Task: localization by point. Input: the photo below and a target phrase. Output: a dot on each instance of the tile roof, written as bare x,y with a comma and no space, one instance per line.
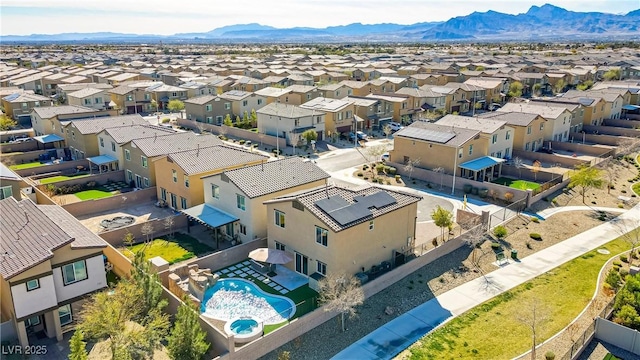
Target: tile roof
286,110
83,237
201,100
123,134
198,161
182,141
274,176
545,109
445,135
326,104
53,111
24,97
82,93
28,236
512,118
308,200
95,125
6,173
485,125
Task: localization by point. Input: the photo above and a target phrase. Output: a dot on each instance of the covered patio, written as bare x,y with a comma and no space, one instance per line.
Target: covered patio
485,168
220,223
50,141
105,163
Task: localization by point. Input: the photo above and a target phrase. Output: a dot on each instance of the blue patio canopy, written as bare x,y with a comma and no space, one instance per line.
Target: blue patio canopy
482,163
630,107
102,159
49,138
210,216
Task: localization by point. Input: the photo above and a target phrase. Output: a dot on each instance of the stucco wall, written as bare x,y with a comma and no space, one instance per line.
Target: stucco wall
132,198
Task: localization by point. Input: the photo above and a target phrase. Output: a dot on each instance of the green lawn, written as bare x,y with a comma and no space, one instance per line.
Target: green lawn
93,194
182,247
54,179
516,184
491,331
26,166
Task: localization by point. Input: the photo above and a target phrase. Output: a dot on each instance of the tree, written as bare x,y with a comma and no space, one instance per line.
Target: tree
77,347
341,293
254,118
479,68
559,86
410,166
536,88
586,178
309,136
227,120
443,218
386,130
187,339
147,231
176,105
474,238
535,168
629,231
586,85
7,123
627,303
148,283
238,121
154,104
613,74
533,315
518,164
515,89
128,239
168,225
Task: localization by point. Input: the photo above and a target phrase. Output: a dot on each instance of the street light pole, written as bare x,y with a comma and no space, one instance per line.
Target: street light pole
455,167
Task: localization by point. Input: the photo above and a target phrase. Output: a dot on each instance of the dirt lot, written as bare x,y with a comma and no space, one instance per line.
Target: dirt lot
141,213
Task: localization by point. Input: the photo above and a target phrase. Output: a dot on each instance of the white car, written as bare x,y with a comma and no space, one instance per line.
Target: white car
394,126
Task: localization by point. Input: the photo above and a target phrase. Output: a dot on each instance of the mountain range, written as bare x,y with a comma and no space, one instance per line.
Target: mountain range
539,23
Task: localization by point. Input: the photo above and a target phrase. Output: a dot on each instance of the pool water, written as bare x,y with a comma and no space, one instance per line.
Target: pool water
244,326
236,298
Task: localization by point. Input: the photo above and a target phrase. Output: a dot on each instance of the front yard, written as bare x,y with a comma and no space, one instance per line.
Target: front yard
181,247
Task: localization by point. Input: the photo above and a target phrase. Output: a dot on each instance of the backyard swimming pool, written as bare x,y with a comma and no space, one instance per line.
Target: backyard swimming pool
236,298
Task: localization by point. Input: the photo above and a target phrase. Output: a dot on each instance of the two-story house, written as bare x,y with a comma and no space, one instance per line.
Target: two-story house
528,128
338,230
338,114
424,99
274,94
89,97
401,105
495,88
243,101
334,91
558,124
290,122
300,94
18,106
210,109
241,192
497,133
471,95
50,264
179,174
46,120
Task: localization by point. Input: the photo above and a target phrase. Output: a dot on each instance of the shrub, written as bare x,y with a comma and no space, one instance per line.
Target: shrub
241,142
496,246
623,273
366,178
387,168
528,244
379,168
620,206
360,174
91,184
508,196
617,263
388,182
365,167
500,231
549,355
535,236
624,258
374,180
623,191
613,279
392,170
535,219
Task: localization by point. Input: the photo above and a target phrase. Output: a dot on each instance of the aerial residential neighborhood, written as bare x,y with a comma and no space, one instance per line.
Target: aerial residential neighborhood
450,188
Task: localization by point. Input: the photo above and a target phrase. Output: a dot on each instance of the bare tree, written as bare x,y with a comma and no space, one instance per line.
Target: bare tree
147,231
628,146
386,130
410,166
168,225
128,239
533,315
629,231
441,171
474,238
535,169
517,162
341,293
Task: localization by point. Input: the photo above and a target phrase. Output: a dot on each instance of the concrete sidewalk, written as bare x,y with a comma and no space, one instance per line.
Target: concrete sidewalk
398,334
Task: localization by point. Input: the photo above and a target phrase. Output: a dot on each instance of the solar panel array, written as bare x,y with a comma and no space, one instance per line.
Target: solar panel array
12,97
345,213
441,137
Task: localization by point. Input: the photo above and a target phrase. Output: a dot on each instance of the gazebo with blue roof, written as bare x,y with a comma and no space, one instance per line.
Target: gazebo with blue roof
477,169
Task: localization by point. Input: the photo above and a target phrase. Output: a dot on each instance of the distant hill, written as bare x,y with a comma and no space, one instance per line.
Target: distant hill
539,23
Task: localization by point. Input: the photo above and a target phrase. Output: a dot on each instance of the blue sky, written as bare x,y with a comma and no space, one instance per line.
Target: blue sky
21,17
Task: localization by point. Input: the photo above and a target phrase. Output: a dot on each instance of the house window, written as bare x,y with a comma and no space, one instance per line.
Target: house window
286,99
243,229
101,142
494,138
508,135
64,312
215,191
240,202
528,130
244,102
129,176
127,155
209,107
308,96
6,192
460,151
209,119
279,218
526,146
113,146
32,321
74,272
98,100
174,174
145,181
147,96
321,268
500,154
33,284
280,246
163,194
259,101
470,149
183,202
227,106
129,97
87,101
186,181
174,94
322,235
296,122
219,120
370,225
144,161
541,126
507,151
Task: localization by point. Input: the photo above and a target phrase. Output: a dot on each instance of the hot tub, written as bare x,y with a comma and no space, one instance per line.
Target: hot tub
244,329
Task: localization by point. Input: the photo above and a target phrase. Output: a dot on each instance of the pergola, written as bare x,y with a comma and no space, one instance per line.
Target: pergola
478,167
49,139
106,162
210,217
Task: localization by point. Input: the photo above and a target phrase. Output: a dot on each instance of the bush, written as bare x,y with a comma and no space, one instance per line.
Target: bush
617,263
387,168
620,206
535,219
360,174
624,258
365,167
613,279
623,273
549,355
500,231
388,182
241,142
528,244
392,170
535,236
374,180
496,246
379,168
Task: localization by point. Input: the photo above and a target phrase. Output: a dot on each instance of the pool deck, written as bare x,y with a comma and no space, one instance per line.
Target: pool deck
284,281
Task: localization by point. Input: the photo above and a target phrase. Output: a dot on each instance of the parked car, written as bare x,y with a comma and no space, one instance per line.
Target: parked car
394,126
360,134
385,157
20,140
247,143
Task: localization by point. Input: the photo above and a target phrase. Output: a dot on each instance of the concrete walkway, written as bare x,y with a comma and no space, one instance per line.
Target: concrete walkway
552,211
398,334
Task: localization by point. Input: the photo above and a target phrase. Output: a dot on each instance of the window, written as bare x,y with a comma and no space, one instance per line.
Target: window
183,202
113,146
209,107
259,101
32,321
163,194
279,218
508,135
145,182
507,151
6,192
528,130
541,126
322,235
227,106
244,102
129,175
129,97
215,191
243,229
280,246
98,100
240,202
186,181
209,119
74,272
500,154
321,268
526,146
144,161
147,96
174,94
470,149
101,142
370,225
175,176
308,96
460,153
33,284
64,312
494,138
127,155
87,101
219,119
